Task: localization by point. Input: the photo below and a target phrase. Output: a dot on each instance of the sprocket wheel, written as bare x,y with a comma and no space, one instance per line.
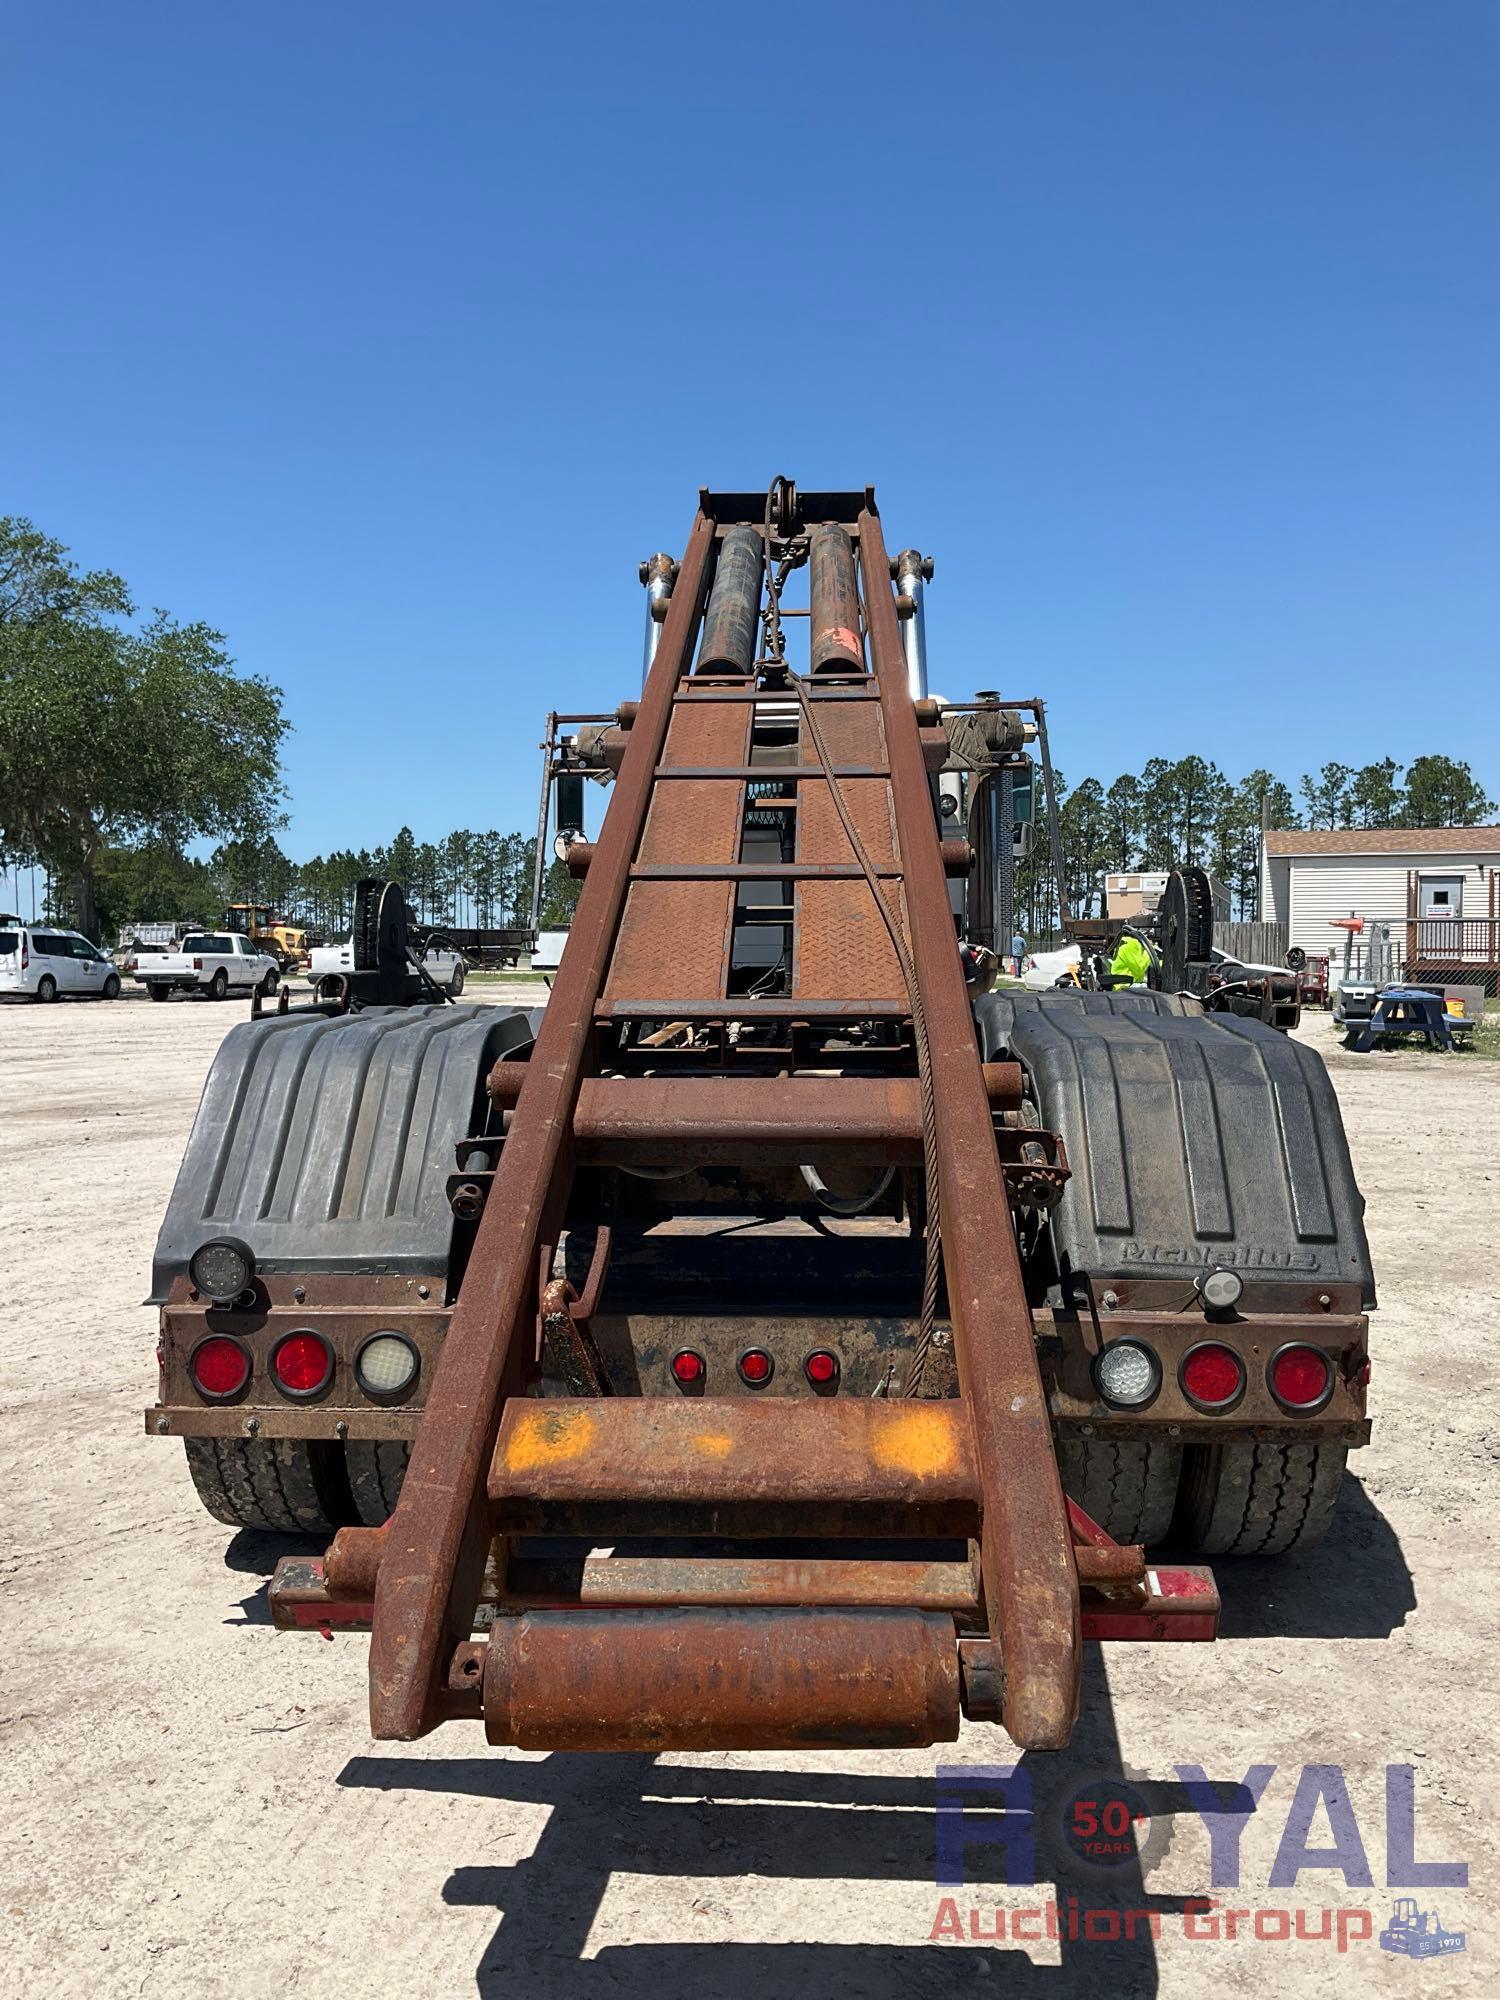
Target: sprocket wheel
1185,924
380,926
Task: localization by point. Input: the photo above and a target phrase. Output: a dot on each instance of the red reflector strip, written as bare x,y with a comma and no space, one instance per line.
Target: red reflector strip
1182,1604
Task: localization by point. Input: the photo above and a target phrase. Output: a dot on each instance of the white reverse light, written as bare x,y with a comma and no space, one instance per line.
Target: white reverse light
386,1365
1127,1373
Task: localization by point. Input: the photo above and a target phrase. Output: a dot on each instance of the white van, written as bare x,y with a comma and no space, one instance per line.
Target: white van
39,962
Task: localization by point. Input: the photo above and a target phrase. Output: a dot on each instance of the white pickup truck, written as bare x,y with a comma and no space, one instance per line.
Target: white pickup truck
210,962
443,967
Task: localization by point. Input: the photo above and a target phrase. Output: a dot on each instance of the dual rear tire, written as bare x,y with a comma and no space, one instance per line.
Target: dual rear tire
297,1486
1259,1499
1241,1498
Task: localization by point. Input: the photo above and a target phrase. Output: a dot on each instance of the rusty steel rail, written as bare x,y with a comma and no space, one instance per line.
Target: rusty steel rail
720,1452
651,1118
430,1580
1030,1580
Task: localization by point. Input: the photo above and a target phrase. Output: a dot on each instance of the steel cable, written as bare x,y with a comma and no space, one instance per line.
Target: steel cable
932,1272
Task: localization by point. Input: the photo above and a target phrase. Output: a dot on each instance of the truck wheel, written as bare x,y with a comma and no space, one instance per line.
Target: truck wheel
280,1483
1127,1485
157,990
376,1471
46,989
218,986
112,986
270,983
1245,1499
456,983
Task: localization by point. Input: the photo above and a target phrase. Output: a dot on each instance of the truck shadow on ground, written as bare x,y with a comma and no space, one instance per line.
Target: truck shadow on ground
1355,1584
256,1552
834,1832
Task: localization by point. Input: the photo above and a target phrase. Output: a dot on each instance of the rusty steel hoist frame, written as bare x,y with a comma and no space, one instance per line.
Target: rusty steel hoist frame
665,1651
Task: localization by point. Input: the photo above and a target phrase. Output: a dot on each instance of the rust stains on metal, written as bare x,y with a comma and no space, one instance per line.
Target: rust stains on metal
432,1574
729,1450
661,1120
545,1435
691,1679
922,1440
739,1580
353,1561
1031,1585
731,624
836,645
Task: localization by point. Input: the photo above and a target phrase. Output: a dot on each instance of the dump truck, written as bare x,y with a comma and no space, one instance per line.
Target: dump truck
783,1336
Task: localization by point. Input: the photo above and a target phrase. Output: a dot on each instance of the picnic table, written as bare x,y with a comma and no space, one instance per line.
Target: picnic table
1406,1010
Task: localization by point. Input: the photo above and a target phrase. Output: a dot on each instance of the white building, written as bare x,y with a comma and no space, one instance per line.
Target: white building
1308,878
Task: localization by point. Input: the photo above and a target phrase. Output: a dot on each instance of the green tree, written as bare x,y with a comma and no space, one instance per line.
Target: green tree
152,882
1327,796
1084,827
398,862
1179,805
559,896
40,585
1375,798
1122,812
1442,792
110,734
1259,798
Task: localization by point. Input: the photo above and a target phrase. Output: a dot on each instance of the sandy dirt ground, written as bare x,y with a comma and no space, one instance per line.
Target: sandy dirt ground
194,1805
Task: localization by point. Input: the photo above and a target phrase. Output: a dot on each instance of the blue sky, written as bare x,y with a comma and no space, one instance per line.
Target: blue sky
390,339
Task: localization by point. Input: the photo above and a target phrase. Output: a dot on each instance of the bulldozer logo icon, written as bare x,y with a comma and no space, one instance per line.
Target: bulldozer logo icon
1414,1933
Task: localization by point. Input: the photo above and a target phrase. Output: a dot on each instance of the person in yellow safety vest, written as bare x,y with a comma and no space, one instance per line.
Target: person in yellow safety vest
1133,960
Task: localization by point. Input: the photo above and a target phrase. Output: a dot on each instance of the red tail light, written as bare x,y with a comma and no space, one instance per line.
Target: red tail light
197,965
220,1367
1212,1375
821,1368
756,1366
688,1368
1301,1378
25,954
302,1364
